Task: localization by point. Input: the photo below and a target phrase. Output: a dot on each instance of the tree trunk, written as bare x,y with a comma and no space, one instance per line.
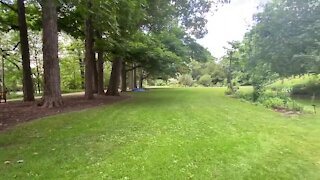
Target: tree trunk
100,73
130,78
141,79
88,56
95,74
134,77
38,71
28,92
82,76
141,83
52,91
123,77
115,77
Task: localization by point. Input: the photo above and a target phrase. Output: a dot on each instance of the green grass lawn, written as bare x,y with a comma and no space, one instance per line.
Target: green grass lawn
195,133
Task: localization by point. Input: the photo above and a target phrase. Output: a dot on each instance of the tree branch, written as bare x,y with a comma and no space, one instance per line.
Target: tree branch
15,64
13,49
133,68
9,6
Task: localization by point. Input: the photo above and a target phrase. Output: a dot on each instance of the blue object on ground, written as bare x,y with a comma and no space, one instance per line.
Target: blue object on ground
138,90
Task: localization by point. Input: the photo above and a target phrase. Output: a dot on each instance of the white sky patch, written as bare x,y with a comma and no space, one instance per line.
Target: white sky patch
229,23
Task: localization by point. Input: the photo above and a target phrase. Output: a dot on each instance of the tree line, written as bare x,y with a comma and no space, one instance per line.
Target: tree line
152,37
284,41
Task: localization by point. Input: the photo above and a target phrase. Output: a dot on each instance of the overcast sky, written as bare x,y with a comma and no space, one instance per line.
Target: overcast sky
229,23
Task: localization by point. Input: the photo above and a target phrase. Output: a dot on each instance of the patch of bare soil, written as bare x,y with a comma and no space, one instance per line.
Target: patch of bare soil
287,112
13,113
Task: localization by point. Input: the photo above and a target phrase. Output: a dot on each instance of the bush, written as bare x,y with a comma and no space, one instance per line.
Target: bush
205,80
186,80
243,95
173,82
274,102
160,82
229,92
271,99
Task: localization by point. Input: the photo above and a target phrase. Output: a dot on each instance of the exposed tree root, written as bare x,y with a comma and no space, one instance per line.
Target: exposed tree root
50,102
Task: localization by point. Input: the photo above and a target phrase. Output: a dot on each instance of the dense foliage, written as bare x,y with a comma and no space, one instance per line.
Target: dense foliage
99,42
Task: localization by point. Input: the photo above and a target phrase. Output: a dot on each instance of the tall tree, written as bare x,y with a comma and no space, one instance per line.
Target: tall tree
286,34
52,90
28,92
89,53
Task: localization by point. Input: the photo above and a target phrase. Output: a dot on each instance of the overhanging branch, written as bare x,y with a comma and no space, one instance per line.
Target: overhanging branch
133,68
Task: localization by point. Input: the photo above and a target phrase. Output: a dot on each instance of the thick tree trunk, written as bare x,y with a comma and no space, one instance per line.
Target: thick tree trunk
100,73
115,77
52,91
28,92
95,74
88,56
123,77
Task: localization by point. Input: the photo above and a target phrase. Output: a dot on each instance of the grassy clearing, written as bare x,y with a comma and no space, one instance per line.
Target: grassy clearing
166,134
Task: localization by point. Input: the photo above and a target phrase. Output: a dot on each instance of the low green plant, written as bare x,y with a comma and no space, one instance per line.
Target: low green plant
270,98
273,102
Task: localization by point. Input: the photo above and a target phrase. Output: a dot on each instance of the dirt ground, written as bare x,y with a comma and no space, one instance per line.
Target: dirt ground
15,112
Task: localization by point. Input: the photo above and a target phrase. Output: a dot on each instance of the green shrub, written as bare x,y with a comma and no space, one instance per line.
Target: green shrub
271,99
160,82
273,102
173,82
205,80
186,80
243,95
228,92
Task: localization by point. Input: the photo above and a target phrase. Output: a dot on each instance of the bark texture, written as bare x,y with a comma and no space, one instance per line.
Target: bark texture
81,65
123,77
88,56
141,79
52,91
28,91
95,74
114,81
134,79
100,65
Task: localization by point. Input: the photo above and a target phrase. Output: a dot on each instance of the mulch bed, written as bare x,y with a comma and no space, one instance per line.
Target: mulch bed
287,112
13,113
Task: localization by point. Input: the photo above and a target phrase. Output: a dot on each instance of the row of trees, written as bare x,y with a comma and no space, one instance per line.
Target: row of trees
155,37
283,42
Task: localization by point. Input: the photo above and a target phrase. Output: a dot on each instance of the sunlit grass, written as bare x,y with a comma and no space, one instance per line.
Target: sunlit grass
195,133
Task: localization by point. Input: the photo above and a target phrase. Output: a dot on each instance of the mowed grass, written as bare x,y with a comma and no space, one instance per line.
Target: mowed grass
195,133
